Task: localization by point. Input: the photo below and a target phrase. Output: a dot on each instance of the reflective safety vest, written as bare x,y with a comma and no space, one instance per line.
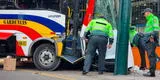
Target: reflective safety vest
152,24
132,34
100,26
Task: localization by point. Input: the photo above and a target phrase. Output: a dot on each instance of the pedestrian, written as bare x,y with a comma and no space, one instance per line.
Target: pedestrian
151,39
99,31
136,39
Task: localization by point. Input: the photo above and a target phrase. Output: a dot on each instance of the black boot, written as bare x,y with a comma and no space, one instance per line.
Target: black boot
142,68
84,73
149,74
100,73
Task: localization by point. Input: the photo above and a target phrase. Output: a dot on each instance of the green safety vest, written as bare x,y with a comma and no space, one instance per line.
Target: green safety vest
152,24
100,26
132,34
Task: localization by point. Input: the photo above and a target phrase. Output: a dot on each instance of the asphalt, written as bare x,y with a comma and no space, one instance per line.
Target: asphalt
32,74
69,72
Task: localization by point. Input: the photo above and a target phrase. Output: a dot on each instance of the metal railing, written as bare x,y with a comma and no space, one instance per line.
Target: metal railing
138,6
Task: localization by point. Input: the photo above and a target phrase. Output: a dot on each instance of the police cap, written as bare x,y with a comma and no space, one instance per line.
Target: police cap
147,10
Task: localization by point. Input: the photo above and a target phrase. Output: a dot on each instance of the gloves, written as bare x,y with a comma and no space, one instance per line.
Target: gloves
86,34
111,40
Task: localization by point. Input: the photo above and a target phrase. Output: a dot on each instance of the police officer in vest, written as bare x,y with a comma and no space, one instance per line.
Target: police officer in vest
151,39
99,31
136,39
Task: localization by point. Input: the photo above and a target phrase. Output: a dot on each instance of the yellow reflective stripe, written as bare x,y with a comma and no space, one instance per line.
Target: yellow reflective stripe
41,29
59,48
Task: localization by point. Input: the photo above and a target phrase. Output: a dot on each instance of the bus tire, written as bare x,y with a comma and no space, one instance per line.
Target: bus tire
45,57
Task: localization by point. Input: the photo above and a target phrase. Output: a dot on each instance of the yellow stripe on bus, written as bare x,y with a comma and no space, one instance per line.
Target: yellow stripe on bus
41,29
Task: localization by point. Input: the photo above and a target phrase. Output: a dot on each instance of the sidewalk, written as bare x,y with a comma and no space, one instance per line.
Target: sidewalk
93,75
71,74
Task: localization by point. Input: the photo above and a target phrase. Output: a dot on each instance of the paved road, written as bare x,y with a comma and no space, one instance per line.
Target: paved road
29,72
21,75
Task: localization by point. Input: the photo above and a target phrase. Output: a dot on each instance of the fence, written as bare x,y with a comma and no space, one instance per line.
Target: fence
138,6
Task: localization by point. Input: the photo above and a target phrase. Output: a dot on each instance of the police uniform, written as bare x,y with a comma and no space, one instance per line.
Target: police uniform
100,30
151,31
137,39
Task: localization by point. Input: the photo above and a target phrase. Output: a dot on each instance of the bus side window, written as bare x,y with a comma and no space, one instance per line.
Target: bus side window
27,4
7,5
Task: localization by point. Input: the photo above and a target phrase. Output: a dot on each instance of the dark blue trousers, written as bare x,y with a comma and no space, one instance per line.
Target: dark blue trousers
96,43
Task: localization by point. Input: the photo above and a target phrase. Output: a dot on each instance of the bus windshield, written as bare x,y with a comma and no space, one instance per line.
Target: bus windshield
108,9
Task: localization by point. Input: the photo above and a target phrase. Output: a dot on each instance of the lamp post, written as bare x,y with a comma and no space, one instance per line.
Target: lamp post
123,37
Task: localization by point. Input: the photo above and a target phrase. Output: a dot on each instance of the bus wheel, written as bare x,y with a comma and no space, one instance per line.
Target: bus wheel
45,57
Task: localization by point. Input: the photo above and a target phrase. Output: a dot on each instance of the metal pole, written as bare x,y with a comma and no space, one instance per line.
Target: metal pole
123,37
75,25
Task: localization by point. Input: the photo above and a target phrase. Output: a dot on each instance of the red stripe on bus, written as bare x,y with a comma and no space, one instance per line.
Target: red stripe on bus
28,31
19,50
5,35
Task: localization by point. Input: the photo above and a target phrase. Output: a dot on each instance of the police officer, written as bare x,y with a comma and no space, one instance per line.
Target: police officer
151,39
132,33
136,39
99,31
